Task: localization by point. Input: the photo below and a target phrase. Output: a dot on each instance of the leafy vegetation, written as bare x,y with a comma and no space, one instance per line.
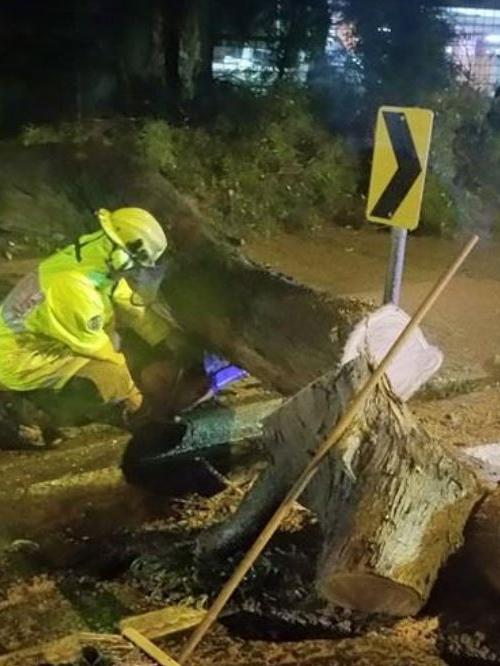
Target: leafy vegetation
281,170
267,161
461,189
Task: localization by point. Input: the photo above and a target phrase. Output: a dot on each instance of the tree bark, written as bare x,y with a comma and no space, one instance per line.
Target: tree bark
291,22
171,27
281,332
391,502
195,49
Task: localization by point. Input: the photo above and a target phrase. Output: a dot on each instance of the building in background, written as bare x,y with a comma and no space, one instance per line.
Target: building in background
243,62
476,47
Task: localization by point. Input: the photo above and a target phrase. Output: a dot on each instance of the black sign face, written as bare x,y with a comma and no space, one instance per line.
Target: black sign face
409,167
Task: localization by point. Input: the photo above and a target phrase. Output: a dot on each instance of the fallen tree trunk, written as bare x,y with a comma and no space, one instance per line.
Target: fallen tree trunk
391,502
281,332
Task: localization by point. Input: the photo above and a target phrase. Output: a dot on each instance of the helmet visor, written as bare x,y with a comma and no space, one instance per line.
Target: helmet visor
145,281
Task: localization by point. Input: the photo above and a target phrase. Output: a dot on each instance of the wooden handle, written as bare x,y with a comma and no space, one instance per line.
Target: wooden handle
148,647
311,469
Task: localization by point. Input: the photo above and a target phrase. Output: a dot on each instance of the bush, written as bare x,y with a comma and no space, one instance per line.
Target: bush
460,116
77,133
155,144
449,202
439,211
104,131
264,161
262,165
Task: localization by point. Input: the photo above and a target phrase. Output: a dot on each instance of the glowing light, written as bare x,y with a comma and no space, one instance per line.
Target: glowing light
492,39
479,13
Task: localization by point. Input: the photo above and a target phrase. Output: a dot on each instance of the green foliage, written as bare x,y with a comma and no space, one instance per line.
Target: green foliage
155,144
77,133
40,135
103,131
460,116
449,201
280,169
266,162
440,214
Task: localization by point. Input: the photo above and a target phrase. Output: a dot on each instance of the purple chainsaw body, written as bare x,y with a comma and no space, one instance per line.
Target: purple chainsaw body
221,373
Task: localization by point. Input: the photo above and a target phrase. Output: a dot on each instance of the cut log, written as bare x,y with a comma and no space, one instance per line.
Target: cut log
391,502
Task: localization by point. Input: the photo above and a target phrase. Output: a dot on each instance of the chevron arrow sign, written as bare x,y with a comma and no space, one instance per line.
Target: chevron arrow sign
400,157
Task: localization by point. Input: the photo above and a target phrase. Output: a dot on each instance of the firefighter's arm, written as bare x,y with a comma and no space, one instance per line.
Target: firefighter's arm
151,326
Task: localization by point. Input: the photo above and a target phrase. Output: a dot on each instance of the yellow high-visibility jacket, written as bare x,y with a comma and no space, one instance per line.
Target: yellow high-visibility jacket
62,316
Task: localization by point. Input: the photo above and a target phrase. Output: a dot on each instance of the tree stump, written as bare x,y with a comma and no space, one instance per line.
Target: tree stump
391,502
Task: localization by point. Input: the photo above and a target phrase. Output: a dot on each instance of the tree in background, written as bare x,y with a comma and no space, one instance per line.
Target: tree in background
400,49
292,29
302,28
84,58
189,43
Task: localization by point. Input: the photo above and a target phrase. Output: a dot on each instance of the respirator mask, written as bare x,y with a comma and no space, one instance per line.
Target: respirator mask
144,280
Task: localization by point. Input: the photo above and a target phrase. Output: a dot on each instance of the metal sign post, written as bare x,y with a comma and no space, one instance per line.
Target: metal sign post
395,269
400,157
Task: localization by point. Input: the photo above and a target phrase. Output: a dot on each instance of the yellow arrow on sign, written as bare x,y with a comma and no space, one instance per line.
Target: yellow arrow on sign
400,158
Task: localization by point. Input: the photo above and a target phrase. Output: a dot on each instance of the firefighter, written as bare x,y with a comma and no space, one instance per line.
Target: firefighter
59,325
